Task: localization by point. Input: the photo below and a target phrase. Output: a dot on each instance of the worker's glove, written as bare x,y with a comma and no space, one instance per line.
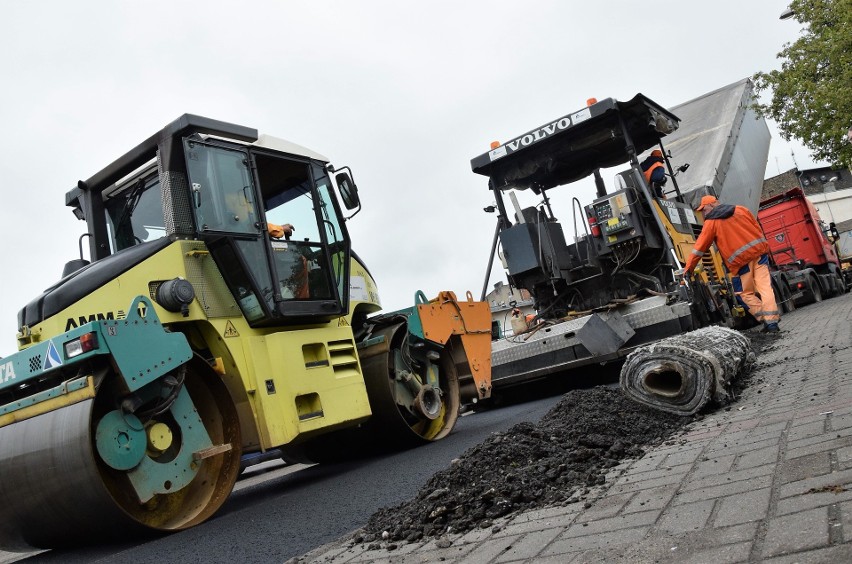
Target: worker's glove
685,276
279,231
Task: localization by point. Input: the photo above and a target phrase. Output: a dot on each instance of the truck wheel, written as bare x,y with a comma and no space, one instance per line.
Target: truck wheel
786,302
832,288
841,285
815,289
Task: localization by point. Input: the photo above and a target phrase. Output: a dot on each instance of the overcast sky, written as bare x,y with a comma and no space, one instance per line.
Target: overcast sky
405,93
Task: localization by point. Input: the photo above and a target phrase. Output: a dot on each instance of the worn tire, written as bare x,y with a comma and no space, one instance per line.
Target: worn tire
815,290
779,297
841,285
833,288
787,303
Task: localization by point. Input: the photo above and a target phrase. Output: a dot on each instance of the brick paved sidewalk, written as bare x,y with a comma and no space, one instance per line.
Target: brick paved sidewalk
768,480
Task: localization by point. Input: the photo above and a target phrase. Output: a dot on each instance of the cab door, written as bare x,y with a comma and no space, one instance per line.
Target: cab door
311,264
236,192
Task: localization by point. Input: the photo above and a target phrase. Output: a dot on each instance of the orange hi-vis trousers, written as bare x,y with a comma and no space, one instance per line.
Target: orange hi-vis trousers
754,279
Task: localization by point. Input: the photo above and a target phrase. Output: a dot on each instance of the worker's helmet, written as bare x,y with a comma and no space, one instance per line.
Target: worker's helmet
708,199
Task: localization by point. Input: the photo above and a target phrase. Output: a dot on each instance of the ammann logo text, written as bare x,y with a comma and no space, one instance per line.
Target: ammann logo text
72,323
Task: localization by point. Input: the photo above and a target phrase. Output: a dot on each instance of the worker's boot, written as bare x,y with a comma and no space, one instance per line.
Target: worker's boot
771,328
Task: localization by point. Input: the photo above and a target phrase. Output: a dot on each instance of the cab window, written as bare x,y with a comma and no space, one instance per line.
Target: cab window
134,214
221,189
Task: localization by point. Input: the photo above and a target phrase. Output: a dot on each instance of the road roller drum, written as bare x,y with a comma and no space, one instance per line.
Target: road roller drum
92,464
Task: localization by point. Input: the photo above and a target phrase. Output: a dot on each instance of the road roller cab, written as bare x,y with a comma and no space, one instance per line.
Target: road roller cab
198,336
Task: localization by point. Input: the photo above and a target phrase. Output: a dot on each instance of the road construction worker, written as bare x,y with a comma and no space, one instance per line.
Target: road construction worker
746,254
655,172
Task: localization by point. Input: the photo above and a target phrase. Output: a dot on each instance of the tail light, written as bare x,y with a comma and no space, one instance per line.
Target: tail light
82,344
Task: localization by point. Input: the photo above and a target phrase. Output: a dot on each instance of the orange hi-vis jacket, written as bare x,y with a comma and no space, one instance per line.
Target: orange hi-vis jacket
650,171
737,236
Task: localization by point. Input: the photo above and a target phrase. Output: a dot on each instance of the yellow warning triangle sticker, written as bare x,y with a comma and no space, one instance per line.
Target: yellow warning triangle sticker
230,330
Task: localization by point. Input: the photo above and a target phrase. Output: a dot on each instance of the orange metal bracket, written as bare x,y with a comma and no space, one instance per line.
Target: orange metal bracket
445,317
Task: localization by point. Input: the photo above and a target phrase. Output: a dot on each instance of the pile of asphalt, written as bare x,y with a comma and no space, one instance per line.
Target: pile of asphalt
532,465
535,465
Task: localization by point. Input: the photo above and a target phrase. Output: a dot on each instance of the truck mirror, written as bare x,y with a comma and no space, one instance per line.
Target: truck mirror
348,190
834,232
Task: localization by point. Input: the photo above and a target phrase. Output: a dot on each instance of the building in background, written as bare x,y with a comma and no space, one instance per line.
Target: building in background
830,190
502,300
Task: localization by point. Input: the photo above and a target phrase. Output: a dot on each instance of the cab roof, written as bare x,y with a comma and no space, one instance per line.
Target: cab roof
570,148
187,124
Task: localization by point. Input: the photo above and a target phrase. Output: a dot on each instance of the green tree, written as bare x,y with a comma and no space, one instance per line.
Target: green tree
812,93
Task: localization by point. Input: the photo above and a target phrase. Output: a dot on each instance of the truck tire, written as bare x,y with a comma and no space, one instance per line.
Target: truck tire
828,285
786,302
779,296
831,285
841,284
814,289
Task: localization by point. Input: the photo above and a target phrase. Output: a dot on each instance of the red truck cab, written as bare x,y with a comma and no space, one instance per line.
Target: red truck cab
794,230
805,263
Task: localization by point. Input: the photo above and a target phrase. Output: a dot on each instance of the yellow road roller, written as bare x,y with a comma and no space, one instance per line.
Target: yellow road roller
221,318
